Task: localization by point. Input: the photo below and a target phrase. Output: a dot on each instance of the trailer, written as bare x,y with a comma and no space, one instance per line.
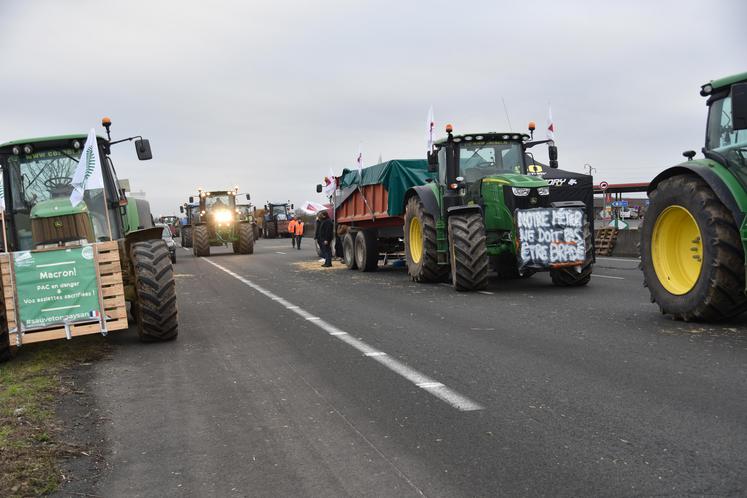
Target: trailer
369,210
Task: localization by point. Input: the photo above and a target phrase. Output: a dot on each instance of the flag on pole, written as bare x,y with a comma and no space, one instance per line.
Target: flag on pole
550,124
431,125
313,207
88,172
329,185
359,159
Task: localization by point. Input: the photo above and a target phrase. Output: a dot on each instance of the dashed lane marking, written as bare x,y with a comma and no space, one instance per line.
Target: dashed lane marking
420,380
607,276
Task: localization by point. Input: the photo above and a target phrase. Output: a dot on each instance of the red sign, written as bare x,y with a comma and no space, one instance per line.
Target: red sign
603,185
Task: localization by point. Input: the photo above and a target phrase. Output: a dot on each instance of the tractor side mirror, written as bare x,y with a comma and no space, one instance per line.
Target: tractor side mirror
739,106
432,162
318,188
181,209
254,209
191,199
292,207
552,151
142,147
248,198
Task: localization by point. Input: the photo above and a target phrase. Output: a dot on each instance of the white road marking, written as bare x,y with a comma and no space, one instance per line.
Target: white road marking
420,380
487,293
607,276
619,259
278,252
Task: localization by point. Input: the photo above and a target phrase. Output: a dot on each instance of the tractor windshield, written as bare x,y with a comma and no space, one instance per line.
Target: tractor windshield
721,136
279,212
480,159
220,201
43,180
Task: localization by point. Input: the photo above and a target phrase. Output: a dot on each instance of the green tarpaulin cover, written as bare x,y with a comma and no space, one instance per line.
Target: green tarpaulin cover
397,175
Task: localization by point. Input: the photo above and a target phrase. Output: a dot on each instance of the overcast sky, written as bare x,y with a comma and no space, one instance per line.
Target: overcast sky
270,95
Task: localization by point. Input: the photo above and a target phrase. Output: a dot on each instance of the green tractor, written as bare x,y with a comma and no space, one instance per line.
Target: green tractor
71,263
466,219
247,213
694,233
219,223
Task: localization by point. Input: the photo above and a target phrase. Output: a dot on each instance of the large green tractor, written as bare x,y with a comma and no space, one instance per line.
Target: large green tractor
465,220
219,223
123,260
694,234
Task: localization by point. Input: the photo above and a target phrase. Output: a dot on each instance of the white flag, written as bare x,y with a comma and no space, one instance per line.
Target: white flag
431,125
313,207
88,173
329,185
550,124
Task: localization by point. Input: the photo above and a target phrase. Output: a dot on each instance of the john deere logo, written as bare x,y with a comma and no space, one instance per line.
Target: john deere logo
58,224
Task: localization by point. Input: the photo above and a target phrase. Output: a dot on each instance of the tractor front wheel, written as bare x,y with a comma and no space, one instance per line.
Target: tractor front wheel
187,236
468,251
201,240
155,290
691,252
421,245
246,238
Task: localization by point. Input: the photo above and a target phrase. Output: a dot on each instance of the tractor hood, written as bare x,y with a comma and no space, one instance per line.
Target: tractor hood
516,180
57,207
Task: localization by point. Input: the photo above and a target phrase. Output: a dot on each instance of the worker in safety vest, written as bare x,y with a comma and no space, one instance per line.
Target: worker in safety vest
292,231
299,233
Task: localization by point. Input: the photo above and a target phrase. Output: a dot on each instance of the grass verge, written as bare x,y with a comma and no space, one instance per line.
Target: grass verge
31,439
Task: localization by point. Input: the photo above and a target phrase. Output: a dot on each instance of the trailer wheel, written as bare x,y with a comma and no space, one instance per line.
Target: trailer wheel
246,239
5,351
691,252
155,290
570,276
366,250
468,252
187,236
201,241
348,251
421,246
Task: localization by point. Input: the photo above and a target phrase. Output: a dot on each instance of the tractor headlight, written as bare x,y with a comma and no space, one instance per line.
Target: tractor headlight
223,216
543,191
520,191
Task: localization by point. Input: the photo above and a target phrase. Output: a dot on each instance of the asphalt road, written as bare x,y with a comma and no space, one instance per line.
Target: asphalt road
292,380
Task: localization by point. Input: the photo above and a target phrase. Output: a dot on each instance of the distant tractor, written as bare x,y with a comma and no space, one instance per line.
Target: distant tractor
247,213
694,233
277,216
74,260
192,212
220,224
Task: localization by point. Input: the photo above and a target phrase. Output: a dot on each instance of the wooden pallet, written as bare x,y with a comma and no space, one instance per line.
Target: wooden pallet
106,255
604,241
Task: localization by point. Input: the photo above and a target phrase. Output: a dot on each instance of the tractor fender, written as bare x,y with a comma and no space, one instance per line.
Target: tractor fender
708,175
428,197
141,235
467,208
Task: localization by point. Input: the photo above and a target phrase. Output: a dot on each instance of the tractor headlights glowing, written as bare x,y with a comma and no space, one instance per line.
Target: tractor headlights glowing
223,216
520,191
543,191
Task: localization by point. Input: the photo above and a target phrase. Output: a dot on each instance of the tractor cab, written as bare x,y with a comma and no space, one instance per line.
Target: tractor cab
726,132
218,208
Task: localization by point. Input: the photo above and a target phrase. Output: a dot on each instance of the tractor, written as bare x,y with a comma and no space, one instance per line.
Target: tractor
73,262
219,223
192,213
277,216
465,219
694,232
247,213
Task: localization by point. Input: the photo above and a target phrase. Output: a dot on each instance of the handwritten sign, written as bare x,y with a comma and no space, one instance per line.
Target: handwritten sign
550,237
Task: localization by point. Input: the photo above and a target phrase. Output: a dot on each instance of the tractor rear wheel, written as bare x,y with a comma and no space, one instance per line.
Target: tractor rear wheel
691,252
155,290
421,246
468,251
201,240
5,351
570,276
366,250
187,236
246,238
348,251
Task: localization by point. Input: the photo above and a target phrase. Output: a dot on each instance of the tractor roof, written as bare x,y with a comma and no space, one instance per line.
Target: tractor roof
490,136
720,83
55,138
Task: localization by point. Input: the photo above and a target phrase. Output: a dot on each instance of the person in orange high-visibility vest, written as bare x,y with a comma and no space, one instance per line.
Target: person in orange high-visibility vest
292,231
299,233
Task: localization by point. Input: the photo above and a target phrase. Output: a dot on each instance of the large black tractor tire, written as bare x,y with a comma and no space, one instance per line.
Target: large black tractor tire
718,290
570,276
256,232
366,250
5,350
348,251
421,246
187,237
201,240
246,238
155,290
468,252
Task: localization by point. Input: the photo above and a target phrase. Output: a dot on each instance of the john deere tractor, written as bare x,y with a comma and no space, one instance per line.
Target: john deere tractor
220,223
466,219
694,234
275,222
77,250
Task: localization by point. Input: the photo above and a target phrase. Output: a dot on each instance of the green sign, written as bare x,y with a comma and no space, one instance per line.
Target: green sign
56,286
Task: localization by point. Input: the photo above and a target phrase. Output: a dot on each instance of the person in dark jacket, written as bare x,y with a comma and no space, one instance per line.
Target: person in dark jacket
324,237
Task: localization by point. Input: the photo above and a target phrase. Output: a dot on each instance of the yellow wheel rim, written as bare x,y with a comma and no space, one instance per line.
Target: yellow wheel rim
415,238
677,250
